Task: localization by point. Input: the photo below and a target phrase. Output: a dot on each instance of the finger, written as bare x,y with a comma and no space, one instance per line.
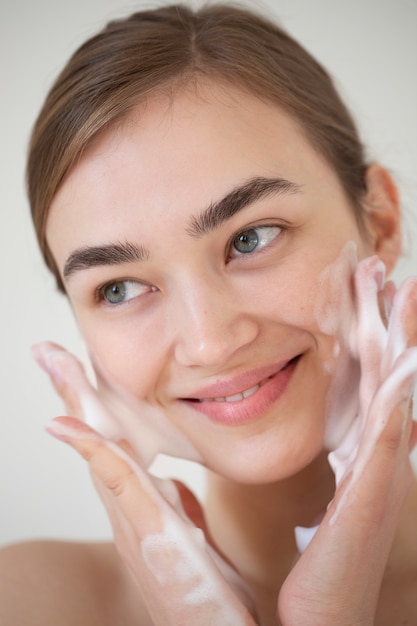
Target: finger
114,466
119,473
47,355
167,558
369,282
371,332
387,426
70,381
402,326
116,469
388,294
413,437
361,520
146,425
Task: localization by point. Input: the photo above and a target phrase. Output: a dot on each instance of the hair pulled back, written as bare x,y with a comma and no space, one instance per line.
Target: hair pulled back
131,58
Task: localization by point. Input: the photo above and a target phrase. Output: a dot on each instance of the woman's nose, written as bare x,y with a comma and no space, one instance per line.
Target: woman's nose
211,327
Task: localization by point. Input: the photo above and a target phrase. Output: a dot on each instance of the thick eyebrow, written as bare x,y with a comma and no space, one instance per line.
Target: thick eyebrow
211,218
111,254
239,198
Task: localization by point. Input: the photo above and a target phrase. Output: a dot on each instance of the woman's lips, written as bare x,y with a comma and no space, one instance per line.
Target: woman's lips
246,405
237,396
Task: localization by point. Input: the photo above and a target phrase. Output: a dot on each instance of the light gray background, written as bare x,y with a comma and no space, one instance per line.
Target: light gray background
369,45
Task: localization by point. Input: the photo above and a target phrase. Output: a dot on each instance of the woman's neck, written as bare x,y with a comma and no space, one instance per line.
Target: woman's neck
254,524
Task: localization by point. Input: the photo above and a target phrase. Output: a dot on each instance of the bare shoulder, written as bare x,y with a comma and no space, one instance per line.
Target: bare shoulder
54,583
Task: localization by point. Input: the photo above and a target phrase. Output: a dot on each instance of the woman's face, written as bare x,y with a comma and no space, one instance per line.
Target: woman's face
193,242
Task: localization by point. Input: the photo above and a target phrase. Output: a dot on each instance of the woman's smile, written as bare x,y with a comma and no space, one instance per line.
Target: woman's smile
234,402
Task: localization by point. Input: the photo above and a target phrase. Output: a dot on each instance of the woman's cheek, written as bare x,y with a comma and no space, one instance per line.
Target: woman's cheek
318,299
286,295
334,306
128,390
121,354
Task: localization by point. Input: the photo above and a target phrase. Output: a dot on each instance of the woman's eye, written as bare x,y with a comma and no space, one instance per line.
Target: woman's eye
121,291
253,239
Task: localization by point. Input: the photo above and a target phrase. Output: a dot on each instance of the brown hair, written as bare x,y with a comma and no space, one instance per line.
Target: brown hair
133,57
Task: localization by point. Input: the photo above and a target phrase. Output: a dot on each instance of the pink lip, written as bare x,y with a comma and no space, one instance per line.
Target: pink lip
273,380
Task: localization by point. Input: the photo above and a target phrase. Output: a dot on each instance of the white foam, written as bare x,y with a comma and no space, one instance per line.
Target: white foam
146,428
179,556
373,370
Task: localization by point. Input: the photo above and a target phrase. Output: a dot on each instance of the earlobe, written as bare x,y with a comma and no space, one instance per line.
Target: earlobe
383,217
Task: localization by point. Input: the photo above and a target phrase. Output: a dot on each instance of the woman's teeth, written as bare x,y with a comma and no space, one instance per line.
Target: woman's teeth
236,397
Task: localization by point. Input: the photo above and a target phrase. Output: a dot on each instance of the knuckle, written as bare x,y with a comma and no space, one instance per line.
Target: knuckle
115,485
392,441
117,478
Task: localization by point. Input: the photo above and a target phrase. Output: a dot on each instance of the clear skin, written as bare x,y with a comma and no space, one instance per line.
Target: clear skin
209,319
202,314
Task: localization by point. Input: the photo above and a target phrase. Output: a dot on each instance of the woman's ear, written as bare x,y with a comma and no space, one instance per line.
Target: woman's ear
382,214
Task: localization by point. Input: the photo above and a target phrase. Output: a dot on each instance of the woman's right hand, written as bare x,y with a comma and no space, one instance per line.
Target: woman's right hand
158,525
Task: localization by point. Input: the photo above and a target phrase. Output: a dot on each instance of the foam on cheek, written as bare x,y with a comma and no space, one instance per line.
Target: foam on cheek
334,313
374,371
334,307
115,415
146,428
335,316
98,418
386,383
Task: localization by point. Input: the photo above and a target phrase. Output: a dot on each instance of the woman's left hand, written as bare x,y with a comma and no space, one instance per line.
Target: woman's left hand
337,579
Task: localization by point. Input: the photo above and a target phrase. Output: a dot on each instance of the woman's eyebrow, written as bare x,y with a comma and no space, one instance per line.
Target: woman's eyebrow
239,198
211,218
110,254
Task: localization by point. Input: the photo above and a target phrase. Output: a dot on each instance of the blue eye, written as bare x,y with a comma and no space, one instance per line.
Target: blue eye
120,291
253,239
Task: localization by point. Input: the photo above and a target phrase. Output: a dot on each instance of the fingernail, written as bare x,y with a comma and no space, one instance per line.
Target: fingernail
57,433
68,428
48,358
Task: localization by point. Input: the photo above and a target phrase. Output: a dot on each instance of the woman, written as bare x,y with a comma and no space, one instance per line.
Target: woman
201,195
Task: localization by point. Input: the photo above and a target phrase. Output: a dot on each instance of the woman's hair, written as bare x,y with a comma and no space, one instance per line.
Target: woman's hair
132,58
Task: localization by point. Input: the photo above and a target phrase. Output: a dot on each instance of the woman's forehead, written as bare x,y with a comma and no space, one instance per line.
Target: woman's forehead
196,122
184,152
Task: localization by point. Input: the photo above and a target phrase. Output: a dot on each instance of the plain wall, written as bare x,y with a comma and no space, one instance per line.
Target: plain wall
369,45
